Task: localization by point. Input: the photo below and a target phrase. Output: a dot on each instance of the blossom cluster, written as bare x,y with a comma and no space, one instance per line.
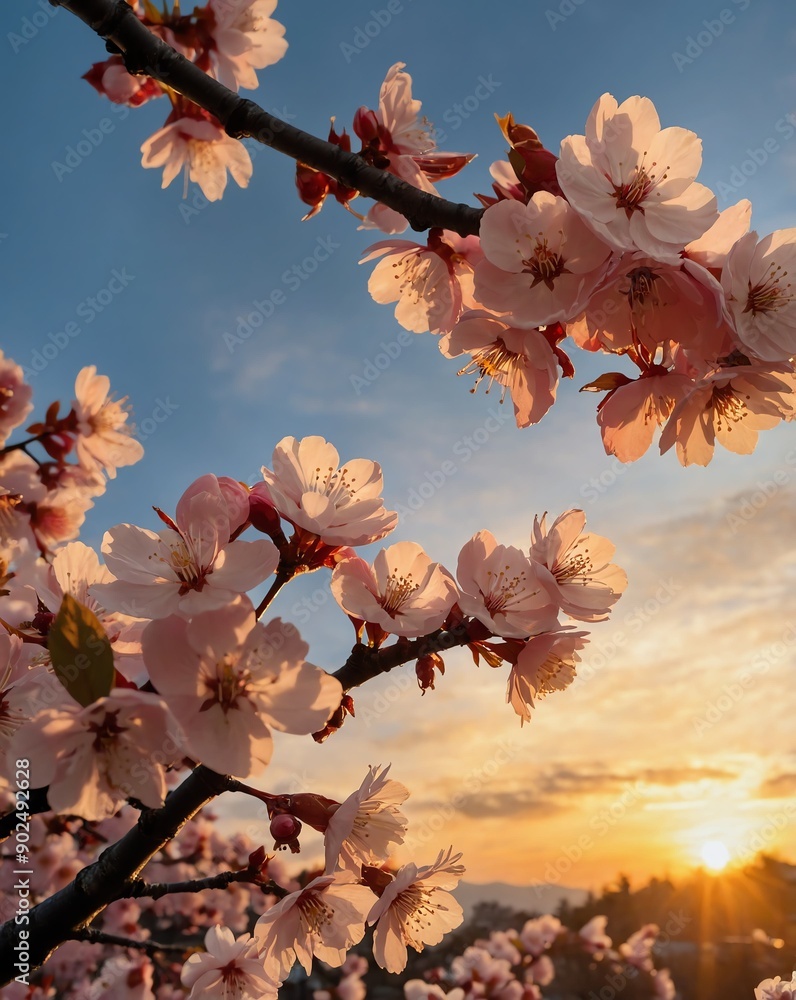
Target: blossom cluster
517,965
228,39
170,663
611,246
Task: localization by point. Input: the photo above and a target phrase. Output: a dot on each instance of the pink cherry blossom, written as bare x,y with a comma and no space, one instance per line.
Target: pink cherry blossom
634,182
711,249
404,592
15,396
645,303
585,580
545,664
227,678
730,405
323,919
95,758
123,977
341,506
542,261
203,149
230,969
76,570
416,909
630,415
368,825
521,361
190,567
111,79
593,935
396,141
760,294
664,988
430,283
18,688
637,950
539,933
246,38
503,589
105,438
774,989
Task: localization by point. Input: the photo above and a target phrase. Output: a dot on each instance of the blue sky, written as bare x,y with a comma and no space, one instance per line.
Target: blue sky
192,270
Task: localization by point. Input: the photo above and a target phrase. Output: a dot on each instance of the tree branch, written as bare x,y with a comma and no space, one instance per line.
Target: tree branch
146,54
365,662
93,936
55,920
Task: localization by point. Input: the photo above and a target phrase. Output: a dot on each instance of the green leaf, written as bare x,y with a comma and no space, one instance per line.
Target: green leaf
80,652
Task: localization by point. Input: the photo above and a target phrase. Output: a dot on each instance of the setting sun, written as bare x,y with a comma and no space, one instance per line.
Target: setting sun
715,855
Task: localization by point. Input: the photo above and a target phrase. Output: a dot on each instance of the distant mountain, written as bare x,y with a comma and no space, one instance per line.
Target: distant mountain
540,898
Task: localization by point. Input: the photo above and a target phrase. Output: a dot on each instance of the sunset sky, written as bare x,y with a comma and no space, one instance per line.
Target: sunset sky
679,728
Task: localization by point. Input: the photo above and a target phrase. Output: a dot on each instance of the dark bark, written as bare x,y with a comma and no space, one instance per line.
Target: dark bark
145,54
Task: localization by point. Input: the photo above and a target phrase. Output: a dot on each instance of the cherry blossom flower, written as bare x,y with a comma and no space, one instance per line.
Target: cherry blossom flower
111,79
323,919
634,182
104,437
521,361
227,678
230,969
430,283
711,249
664,988
246,38
368,825
18,688
202,148
503,589
585,580
773,989
76,570
189,567
542,261
539,933
394,140
637,950
545,664
416,909
593,935
419,989
341,506
95,758
404,592
122,977
730,405
643,302
15,396
760,293
630,415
